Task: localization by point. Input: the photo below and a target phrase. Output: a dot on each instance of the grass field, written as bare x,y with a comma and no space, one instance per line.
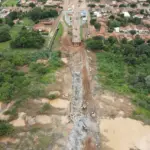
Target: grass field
10,3
60,32
58,36
27,22
112,73
14,32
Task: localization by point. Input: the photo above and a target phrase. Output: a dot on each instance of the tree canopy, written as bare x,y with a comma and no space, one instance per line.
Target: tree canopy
37,13
28,39
4,33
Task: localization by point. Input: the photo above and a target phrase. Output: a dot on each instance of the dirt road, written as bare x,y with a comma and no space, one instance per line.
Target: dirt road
82,113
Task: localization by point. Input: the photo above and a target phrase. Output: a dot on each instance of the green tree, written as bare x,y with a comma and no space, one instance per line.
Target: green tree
35,14
6,91
94,44
5,128
28,39
1,20
138,41
133,32
9,21
133,5
32,5
97,26
112,40
143,49
128,49
4,33
91,5
142,11
113,23
147,81
92,21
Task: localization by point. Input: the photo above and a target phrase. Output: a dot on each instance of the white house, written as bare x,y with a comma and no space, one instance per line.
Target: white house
97,14
117,29
138,16
126,14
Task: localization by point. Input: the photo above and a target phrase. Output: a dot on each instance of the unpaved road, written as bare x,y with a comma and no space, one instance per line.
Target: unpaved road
82,113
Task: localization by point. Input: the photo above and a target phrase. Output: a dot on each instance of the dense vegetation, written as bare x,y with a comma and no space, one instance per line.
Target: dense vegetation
28,39
16,83
120,20
95,24
4,33
26,65
38,13
35,14
124,67
5,128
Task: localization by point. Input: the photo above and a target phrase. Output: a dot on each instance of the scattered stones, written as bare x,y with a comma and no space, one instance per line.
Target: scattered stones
36,101
43,119
22,115
93,114
101,105
61,142
108,97
64,60
30,120
121,100
64,120
42,61
84,106
121,114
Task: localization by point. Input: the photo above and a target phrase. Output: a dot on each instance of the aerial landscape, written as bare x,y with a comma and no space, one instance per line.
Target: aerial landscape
74,74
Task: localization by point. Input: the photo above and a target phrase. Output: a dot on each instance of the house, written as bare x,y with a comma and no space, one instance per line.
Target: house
138,16
117,29
43,26
142,0
97,14
146,22
139,29
4,13
126,14
54,3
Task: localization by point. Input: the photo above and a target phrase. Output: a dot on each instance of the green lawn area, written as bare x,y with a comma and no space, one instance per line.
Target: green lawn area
58,36
4,45
13,32
10,3
60,32
27,22
111,72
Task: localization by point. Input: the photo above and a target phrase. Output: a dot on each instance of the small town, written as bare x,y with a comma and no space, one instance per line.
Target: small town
74,74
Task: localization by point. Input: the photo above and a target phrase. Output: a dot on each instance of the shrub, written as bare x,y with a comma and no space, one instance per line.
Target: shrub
97,26
52,96
28,39
92,21
5,128
4,34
